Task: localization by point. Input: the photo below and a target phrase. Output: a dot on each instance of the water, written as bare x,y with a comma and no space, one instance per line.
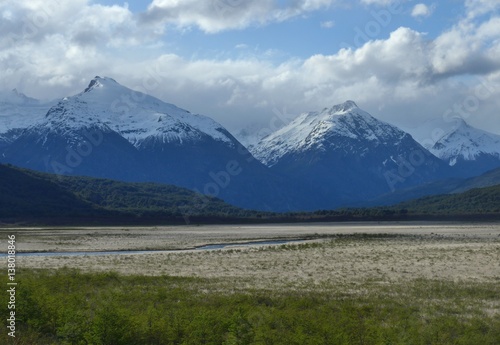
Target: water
122,252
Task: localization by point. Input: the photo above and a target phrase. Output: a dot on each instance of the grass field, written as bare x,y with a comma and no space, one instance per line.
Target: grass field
350,284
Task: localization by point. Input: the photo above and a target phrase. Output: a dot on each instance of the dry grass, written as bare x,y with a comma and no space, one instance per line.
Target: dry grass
343,255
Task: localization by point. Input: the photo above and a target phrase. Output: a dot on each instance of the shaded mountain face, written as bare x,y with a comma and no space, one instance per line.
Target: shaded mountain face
470,151
346,156
111,131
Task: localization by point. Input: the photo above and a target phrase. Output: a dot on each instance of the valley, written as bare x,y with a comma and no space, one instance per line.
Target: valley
358,283
331,251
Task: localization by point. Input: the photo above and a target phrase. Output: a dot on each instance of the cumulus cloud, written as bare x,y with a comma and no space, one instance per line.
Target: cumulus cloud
80,21
217,15
56,43
422,10
477,8
468,48
399,77
54,50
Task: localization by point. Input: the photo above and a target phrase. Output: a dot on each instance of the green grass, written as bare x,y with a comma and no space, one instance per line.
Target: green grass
70,307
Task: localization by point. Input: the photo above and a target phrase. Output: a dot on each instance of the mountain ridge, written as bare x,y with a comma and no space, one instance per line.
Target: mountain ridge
470,149
338,156
346,155
110,131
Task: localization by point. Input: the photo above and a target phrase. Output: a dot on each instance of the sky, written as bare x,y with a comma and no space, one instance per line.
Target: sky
265,61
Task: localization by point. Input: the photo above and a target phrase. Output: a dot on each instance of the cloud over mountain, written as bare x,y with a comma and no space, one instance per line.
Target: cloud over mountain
48,49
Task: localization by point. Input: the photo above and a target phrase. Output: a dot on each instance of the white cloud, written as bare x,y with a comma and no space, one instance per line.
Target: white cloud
328,24
79,21
468,48
403,76
51,45
398,76
422,10
217,15
380,2
477,8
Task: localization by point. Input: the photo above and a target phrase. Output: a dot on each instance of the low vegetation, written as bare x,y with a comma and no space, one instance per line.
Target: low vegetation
70,307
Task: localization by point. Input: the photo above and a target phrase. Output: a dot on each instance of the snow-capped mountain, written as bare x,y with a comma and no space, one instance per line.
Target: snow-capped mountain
137,117
470,149
338,156
17,112
114,132
251,135
430,131
347,155
321,131
16,97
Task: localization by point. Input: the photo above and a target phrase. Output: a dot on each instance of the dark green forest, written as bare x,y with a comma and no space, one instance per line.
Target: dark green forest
26,194
32,197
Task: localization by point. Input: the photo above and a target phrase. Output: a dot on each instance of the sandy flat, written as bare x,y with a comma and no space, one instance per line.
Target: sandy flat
335,253
183,237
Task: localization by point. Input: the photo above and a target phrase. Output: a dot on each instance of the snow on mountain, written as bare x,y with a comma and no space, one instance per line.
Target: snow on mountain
347,157
18,111
430,131
110,131
319,130
466,143
252,134
134,115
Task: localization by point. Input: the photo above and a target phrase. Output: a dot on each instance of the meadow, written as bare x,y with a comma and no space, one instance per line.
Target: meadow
351,284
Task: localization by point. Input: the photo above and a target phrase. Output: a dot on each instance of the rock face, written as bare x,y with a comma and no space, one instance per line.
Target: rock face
347,156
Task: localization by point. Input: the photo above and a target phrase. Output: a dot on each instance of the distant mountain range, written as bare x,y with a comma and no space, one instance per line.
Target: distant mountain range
110,131
339,156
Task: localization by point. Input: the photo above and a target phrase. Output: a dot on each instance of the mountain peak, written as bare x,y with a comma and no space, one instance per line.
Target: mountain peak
18,98
137,117
462,124
466,143
326,131
344,107
98,82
